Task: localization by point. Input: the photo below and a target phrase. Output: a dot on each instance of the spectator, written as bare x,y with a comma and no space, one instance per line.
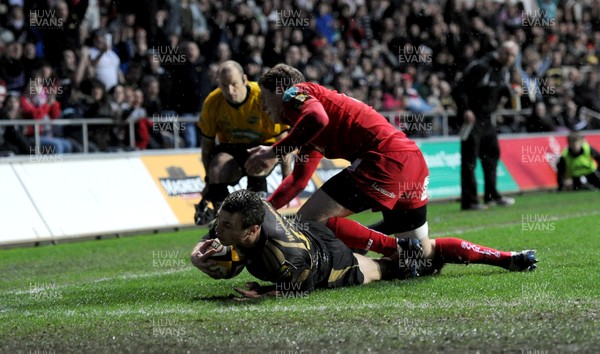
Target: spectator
12,138
12,68
540,120
118,102
61,32
414,102
155,69
67,77
100,135
119,106
124,45
394,101
143,126
161,133
192,88
29,59
134,74
39,104
16,23
193,25
105,62
446,99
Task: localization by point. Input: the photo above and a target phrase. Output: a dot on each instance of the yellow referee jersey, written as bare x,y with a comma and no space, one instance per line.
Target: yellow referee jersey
245,124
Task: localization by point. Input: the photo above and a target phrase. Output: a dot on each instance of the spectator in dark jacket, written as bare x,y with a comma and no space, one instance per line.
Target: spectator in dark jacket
11,137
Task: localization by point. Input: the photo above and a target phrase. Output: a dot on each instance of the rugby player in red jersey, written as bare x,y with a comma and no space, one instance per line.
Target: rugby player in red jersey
388,173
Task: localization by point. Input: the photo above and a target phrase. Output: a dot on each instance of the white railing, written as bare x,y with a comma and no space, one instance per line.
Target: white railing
86,122
397,118
586,112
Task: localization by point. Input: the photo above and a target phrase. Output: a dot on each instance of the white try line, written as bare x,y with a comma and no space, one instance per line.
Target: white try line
290,306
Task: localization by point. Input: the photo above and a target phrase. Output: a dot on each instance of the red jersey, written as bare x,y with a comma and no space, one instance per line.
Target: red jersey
336,125
327,123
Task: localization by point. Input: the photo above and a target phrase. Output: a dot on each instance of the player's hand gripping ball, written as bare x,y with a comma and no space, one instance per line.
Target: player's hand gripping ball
228,262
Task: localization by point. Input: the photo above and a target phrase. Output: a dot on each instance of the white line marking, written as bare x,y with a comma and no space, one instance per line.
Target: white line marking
286,308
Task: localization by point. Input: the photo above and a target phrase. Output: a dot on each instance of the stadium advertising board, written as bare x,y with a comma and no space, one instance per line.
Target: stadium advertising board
532,160
180,178
443,159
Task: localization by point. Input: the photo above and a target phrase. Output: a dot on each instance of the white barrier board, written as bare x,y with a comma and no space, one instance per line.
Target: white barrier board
19,219
83,197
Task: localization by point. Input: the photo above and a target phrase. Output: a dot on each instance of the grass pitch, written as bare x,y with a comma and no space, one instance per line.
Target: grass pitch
141,294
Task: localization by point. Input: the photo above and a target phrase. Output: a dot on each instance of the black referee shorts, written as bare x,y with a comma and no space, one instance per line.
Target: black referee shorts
238,151
240,154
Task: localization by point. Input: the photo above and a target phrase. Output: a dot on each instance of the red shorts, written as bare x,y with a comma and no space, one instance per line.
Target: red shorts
393,180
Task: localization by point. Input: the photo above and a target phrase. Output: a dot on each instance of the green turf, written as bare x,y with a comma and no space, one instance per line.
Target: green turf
140,294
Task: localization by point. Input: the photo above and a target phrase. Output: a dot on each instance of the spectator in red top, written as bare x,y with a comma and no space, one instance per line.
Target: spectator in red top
38,102
138,114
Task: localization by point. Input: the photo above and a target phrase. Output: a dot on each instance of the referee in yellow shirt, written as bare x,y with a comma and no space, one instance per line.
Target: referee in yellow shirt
232,120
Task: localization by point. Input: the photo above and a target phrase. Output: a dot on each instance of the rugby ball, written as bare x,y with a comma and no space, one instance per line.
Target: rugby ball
228,259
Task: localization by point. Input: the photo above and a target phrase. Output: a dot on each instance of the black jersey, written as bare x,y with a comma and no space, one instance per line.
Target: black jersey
305,253
287,252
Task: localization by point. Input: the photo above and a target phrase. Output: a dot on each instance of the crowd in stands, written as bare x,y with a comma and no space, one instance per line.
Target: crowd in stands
148,60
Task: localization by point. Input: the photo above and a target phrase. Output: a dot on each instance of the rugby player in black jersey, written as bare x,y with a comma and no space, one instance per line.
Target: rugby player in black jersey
293,256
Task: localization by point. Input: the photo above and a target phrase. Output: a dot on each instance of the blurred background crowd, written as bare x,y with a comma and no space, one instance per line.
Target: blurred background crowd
148,60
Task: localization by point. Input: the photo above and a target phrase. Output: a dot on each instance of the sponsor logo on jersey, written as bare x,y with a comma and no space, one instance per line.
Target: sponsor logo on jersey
383,191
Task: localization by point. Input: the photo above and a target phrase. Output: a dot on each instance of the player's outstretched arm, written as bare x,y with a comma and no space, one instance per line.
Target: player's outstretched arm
295,183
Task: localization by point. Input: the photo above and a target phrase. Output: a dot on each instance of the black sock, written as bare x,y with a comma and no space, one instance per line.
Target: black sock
389,268
217,192
257,184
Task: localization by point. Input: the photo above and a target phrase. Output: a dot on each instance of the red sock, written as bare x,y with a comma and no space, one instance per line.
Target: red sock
357,236
455,250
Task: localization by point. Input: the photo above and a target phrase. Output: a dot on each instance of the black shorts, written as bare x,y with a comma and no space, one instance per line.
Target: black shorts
342,189
240,155
238,151
337,266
